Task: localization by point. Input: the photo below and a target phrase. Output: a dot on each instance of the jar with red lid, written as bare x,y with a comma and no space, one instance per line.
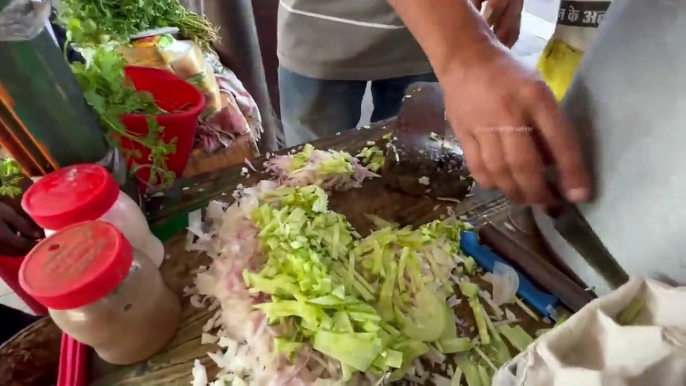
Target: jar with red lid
84,193
102,292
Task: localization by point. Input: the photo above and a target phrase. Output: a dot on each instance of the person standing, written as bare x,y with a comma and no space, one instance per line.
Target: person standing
328,50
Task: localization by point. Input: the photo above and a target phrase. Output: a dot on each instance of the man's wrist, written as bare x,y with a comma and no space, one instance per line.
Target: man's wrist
453,33
472,54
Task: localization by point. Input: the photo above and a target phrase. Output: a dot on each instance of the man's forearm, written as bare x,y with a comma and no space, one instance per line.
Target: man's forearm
451,32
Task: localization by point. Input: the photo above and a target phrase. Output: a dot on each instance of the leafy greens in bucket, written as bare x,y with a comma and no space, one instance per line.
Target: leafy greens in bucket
111,94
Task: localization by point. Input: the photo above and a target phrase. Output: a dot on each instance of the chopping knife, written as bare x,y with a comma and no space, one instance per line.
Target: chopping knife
572,226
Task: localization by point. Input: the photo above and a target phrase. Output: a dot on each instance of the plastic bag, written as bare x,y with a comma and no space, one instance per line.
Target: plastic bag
577,25
611,342
23,20
182,57
189,64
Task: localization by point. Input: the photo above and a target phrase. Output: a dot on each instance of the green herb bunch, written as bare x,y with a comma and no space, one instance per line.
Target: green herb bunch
90,22
10,176
111,94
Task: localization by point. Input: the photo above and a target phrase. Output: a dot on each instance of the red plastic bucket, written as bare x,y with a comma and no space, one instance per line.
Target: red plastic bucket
171,93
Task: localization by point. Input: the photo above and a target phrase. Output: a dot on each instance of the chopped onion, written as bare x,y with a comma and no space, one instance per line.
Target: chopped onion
197,302
208,326
435,356
419,368
453,301
505,283
440,380
509,315
199,374
487,298
250,165
215,210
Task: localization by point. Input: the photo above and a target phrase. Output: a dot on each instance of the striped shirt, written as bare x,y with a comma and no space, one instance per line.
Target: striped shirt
347,40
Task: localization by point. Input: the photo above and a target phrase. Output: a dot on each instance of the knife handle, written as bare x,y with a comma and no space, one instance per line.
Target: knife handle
539,300
537,268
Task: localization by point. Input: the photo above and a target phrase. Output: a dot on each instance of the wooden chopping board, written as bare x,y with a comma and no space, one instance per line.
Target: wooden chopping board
173,365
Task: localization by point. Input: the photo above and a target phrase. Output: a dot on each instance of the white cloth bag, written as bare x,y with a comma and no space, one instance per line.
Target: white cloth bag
591,349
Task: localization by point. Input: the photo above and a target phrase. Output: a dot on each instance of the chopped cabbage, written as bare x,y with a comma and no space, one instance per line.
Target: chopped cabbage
306,300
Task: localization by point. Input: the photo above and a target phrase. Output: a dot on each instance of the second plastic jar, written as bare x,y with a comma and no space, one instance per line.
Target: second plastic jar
84,193
102,292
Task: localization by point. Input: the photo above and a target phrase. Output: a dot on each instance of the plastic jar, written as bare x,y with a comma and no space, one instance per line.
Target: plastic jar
102,292
84,193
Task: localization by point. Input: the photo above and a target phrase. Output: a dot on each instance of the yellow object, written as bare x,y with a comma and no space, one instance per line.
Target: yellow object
557,65
147,55
153,41
576,27
182,58
190,65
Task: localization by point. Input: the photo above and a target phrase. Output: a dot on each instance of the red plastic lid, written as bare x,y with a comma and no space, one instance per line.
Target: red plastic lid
76,266
70,195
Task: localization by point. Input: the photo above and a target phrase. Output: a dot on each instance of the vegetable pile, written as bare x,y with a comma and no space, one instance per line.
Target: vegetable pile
332,170
304,299
93,22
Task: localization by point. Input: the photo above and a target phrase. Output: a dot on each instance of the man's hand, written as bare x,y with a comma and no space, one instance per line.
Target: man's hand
507,119
510,126
504,16
17,234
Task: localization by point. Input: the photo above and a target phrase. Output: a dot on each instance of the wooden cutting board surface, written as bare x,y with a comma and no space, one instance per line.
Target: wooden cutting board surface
37,348
173,365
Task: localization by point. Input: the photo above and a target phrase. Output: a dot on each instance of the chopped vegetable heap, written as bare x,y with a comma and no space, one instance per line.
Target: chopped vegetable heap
306,300
332,170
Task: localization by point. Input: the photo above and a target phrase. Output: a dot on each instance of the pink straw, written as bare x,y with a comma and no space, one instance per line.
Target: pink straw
73,370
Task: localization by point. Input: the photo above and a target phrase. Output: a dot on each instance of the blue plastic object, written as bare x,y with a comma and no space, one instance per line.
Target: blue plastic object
542,302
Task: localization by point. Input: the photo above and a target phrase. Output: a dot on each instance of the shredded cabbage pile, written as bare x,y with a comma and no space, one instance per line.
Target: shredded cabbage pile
372,156
302,299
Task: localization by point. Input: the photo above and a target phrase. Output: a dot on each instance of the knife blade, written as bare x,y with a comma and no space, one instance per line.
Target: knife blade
574,228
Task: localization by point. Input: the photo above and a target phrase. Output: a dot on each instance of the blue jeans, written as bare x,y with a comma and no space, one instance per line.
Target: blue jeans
316,108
